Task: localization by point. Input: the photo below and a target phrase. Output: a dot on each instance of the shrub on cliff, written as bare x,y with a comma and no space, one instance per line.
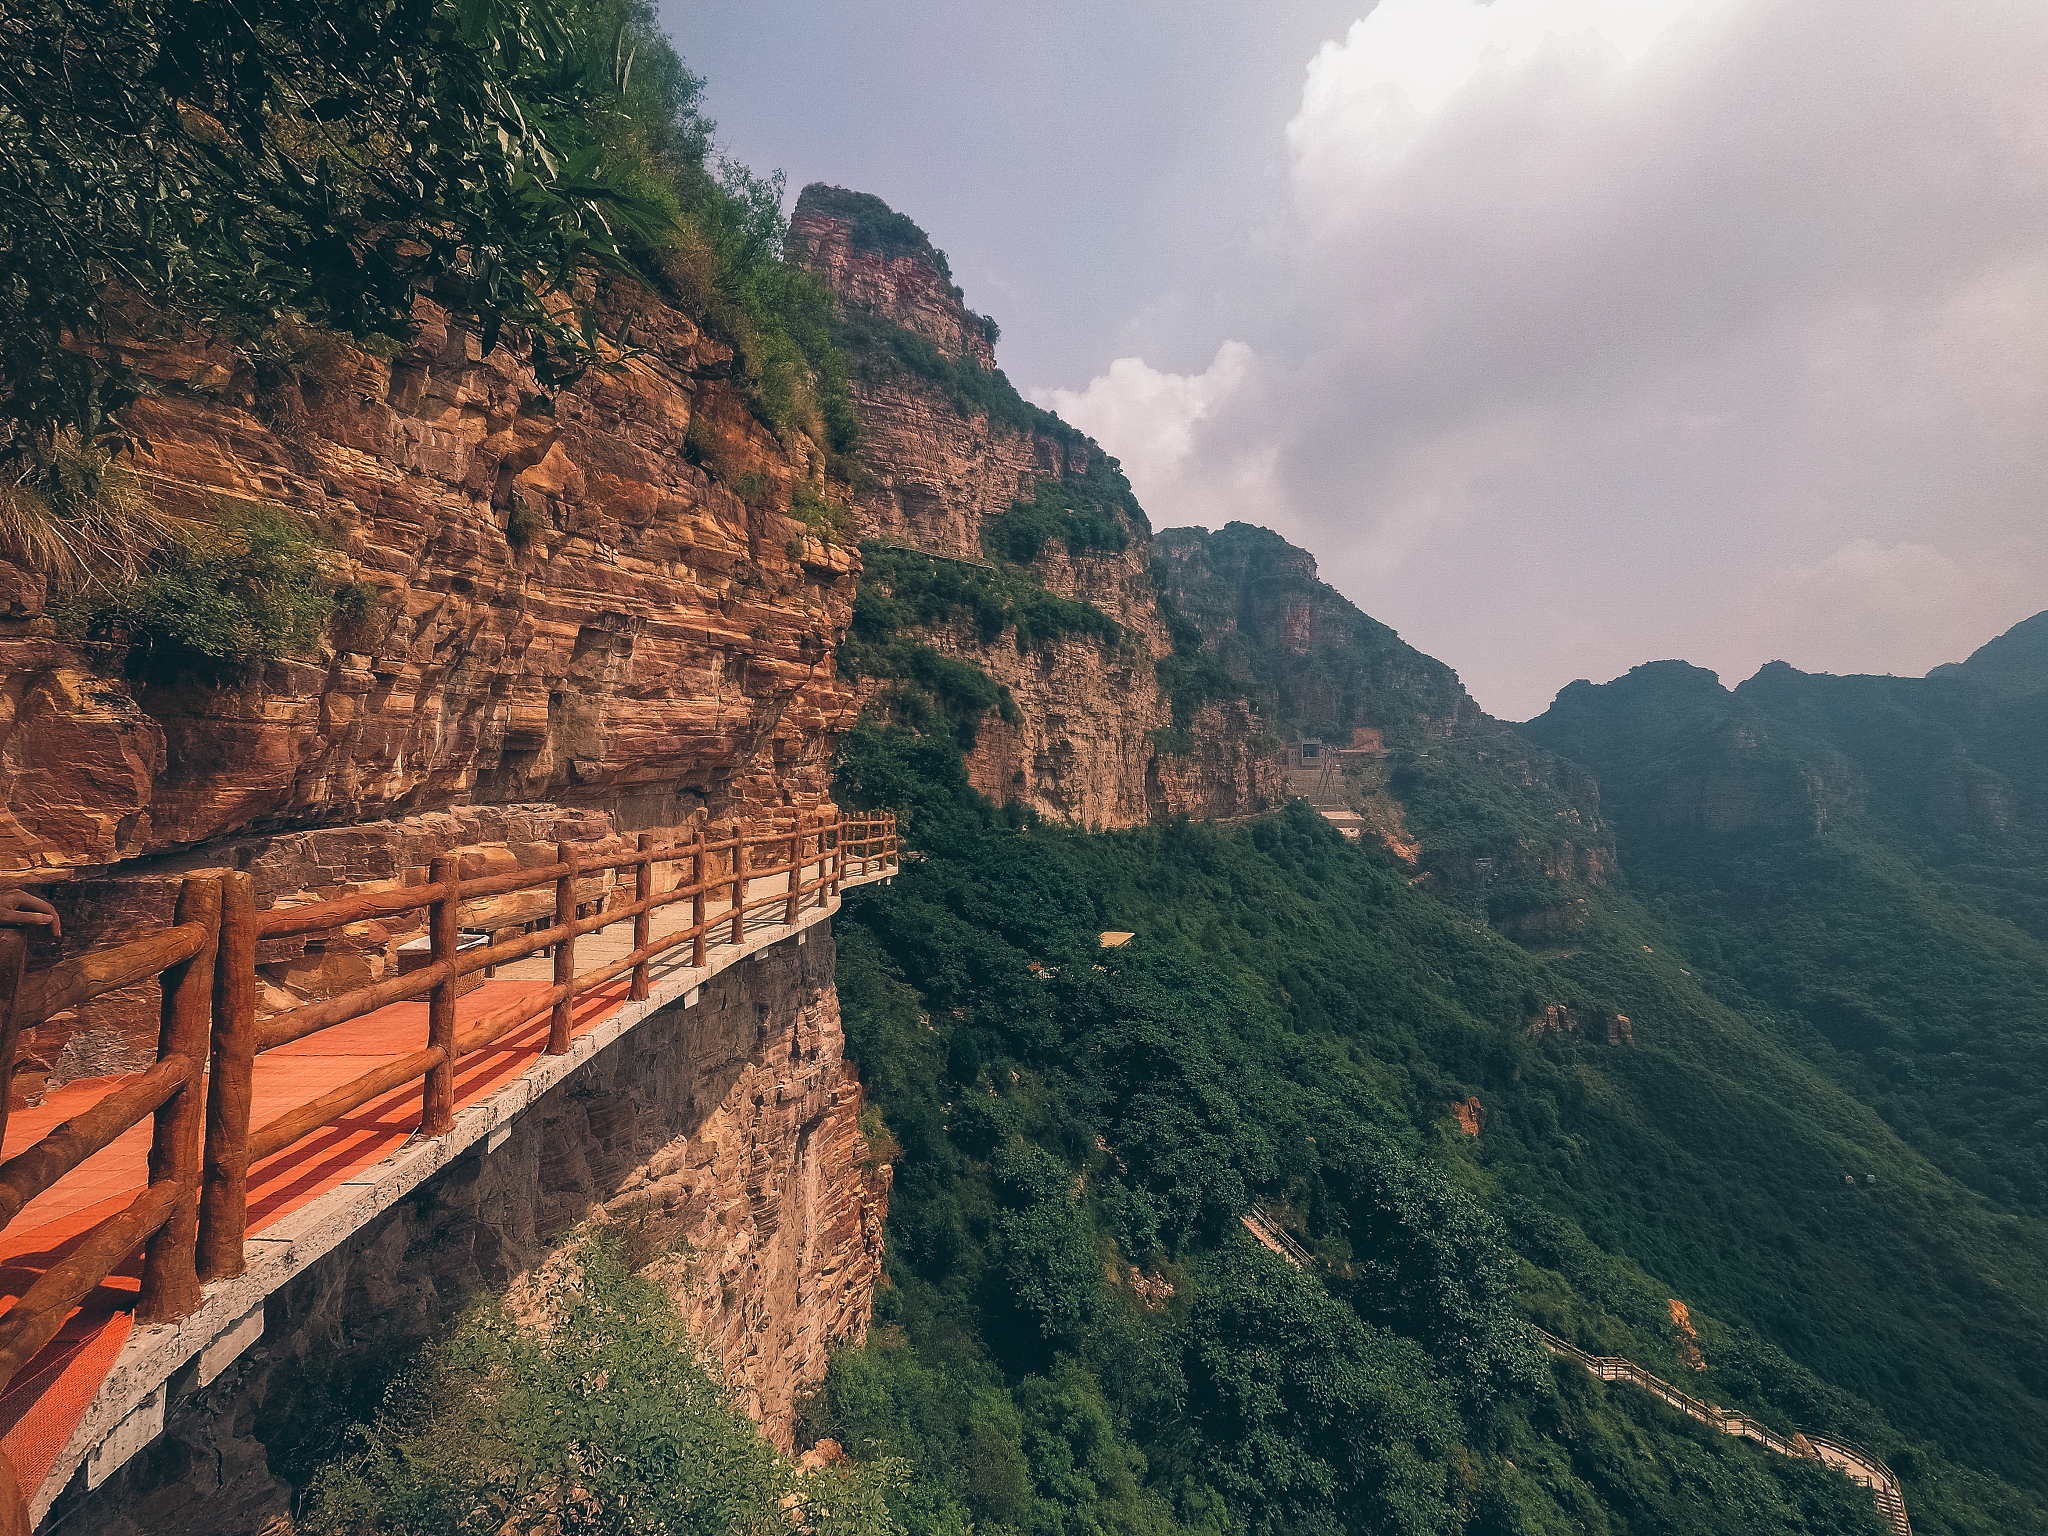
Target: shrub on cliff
235,166
874,228
1090,511
74,514
879,351
270,166
902,589
902,592
248,588
580,1405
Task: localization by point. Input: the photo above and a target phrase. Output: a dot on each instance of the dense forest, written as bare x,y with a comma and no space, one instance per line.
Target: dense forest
1863,858
1078,1334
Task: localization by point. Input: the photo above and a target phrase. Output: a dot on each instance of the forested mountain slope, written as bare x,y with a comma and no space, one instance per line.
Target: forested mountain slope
1077,1336
1512,832
1867,859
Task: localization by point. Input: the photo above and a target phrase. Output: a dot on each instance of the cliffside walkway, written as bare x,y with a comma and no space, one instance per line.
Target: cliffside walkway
1322,786
354,1101
1271,1234
1857,1465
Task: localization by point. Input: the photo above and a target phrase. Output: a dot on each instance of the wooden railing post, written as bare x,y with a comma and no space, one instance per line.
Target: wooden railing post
565,949
697,918
13,957
643,931
739,879
796,871
224,1197
437,1098
170,1276
13,1507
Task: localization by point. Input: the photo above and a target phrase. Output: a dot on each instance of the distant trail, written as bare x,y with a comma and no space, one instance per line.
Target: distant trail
1857,1465
1269,1232
1323,789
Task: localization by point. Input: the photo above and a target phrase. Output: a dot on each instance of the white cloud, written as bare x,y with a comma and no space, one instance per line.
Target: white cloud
1715,329
1151,415
1868,606
1149,419
1371,99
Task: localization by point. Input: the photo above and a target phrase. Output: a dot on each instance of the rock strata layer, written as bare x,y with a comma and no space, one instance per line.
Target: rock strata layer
1083,746
638,634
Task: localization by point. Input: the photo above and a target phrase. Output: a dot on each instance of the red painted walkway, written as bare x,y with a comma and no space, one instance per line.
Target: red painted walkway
49,1395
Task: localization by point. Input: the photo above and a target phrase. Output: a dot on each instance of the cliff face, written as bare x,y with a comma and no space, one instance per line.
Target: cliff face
878,262
768,1213
948,451
658,642
1322,666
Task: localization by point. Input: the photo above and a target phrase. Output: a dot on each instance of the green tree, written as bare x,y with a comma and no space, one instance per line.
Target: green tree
235,166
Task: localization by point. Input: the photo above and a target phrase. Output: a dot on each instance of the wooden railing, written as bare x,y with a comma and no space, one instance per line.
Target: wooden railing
1275,1237
191,1218
1859,1465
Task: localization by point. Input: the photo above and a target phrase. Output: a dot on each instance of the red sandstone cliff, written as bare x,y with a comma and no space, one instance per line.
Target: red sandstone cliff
657,648
936,476
659,642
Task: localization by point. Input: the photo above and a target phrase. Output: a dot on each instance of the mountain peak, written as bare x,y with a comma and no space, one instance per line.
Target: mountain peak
2015,662
879,262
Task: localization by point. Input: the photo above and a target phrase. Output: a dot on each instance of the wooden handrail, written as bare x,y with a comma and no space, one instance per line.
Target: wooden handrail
170,1272
437,1103
163,1219
32,1321
1891,1504
191,1219
224,1196
34,1169
445,893
79,980
309,1117
565,952
13,959
313,917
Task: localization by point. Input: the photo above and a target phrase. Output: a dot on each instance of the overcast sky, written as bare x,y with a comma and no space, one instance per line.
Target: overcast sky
1567,334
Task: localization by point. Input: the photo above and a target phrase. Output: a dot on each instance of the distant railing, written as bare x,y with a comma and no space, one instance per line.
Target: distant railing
1858,1465
191,1219
1275,1237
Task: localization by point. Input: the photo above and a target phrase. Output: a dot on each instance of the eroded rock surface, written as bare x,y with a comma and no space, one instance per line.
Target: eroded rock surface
643,632
1082,747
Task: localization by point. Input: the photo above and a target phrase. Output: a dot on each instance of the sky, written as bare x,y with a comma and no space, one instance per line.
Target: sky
1567,334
